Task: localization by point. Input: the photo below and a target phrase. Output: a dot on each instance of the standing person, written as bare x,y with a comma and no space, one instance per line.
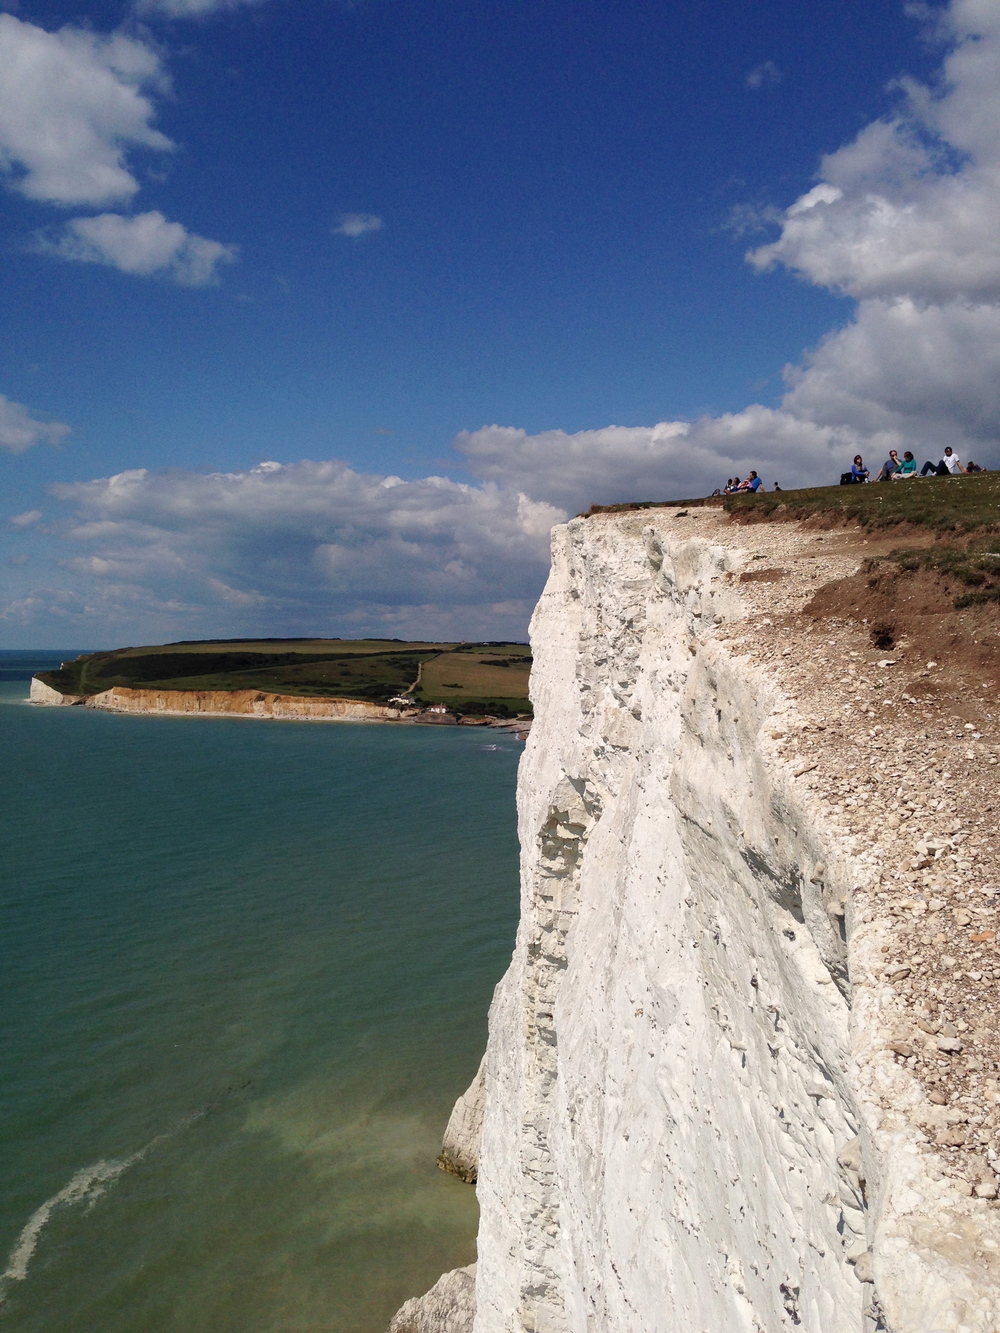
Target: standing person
949,465
890,467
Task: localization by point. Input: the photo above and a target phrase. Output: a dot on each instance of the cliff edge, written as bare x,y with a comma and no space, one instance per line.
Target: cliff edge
742,1071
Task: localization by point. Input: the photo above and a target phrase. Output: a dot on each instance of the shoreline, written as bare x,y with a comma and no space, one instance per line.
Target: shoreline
255,704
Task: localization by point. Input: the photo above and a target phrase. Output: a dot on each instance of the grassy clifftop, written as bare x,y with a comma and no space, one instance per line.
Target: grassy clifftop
470,677
943,504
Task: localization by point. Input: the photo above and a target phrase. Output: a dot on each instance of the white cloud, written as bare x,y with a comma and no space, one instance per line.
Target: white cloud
145,244
763,76
903,221
908,373
909,208
357,224
19,430
71,103
307,547
26,519
671,460
190,9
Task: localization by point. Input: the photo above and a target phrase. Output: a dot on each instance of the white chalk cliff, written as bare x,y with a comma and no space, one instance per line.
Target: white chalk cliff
691,1120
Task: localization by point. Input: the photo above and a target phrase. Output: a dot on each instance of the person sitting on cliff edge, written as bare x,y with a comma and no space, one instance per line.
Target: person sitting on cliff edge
907,468
949,465
890,467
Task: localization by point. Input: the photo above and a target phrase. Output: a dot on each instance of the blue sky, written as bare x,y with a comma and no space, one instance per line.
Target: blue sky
358,234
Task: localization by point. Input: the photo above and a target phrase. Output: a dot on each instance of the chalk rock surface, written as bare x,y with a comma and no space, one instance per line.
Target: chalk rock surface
449,1306
240,703
460,1148
40,693
697,1116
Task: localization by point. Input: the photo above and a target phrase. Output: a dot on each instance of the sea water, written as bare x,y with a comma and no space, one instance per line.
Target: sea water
245,968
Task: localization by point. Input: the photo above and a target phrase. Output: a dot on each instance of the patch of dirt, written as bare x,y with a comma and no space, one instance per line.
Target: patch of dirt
914,611
762,575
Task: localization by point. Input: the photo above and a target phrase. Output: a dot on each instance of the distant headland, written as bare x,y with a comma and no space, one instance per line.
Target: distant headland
303,679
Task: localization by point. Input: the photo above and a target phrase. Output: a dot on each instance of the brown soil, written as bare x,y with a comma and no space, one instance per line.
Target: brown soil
913,612
762,575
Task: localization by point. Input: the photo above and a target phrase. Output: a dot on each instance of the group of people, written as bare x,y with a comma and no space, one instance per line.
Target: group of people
893,469
751,486
898,469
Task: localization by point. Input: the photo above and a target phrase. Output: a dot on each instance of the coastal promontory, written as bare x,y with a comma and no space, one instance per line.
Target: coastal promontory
743,1072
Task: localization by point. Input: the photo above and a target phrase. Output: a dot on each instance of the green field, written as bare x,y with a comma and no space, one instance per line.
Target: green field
474,674
473,678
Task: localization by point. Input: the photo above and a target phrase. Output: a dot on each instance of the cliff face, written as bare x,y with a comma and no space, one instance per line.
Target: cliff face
239,703
702,1113
40,693
666,1073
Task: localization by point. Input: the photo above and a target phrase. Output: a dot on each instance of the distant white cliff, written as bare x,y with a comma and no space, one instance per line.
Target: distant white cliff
221,703
40,693
690,1119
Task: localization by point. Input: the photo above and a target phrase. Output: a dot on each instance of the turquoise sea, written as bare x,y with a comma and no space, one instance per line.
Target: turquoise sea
244,972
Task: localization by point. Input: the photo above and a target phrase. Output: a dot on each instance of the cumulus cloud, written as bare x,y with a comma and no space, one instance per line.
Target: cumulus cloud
763,76
671,460
908,210
307,547
26,519
71,103
902,221
357,224
146,244
19,430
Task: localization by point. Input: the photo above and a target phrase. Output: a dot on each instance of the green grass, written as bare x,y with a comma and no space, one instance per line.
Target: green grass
473,678
498,677
972,564
943,504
